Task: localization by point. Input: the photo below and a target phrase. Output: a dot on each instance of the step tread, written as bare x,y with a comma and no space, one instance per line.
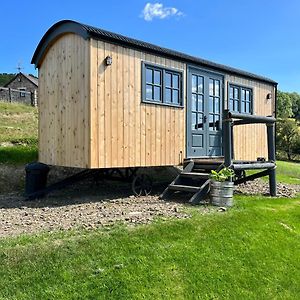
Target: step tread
195,174
180,187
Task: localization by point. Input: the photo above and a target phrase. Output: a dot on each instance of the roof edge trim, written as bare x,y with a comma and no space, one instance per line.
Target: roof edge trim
54,32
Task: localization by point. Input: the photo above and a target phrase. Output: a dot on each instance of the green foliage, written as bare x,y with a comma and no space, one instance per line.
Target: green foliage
222,175
288,105
288,137
284,105
248,252
5,78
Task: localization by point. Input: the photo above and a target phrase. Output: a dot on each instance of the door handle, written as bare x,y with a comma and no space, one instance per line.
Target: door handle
204,119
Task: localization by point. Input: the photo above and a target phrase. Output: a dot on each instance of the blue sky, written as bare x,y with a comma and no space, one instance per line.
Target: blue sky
257,36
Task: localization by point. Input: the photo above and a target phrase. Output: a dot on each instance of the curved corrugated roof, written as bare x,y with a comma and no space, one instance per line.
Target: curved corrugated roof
87,31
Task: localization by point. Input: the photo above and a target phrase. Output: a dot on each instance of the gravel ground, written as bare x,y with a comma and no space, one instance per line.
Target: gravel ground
90,205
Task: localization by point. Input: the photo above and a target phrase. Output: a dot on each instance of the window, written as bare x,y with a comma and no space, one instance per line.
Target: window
22,94
240,99
162,86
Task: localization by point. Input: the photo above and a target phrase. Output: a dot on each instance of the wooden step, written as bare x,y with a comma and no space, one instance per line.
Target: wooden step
184,188
195,174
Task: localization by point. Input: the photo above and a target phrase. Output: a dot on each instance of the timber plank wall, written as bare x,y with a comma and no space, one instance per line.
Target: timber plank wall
91,115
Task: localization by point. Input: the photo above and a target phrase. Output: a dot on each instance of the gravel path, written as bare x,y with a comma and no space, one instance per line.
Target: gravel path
87,205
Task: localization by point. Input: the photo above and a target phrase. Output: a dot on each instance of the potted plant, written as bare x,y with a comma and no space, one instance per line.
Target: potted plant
221,187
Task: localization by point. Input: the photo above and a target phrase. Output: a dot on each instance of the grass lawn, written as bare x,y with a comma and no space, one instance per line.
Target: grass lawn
248,252
18,133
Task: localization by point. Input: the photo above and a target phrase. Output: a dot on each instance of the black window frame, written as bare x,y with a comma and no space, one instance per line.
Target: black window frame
164,71
22,91
239,99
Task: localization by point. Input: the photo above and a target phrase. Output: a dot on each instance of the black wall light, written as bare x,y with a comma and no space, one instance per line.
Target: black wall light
108,60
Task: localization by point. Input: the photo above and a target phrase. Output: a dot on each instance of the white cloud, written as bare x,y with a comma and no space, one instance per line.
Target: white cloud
157,10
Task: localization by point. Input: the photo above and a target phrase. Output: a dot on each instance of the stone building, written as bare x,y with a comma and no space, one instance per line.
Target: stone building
22,88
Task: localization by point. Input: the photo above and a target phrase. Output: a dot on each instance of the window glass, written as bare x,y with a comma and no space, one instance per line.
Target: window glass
211,104
157,93
194,84
175,81
194,102
168,79
217,88
211,122
175,96
168,96
157,77
200,103
217,105
149,75
149,92
194,121
241,100
211,87
200,84
200,121
162,85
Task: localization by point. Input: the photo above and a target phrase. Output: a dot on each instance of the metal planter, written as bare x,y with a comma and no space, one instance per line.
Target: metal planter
221,193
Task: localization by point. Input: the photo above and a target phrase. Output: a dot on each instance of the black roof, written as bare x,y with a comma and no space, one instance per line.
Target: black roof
87,31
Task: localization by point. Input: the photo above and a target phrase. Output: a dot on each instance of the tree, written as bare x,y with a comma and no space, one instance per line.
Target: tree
284,105
288,137
295,97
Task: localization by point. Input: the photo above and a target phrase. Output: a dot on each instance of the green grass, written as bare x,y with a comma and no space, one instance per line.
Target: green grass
286,172
249,252
18,133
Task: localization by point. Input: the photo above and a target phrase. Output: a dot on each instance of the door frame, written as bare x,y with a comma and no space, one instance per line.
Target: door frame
204,71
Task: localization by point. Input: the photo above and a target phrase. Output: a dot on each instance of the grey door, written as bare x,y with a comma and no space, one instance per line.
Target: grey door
204,109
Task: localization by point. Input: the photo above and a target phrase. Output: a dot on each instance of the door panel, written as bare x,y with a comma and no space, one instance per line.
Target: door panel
204,109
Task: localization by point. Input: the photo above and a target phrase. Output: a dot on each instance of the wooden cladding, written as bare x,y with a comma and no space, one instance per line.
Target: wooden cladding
63,103
124,131
92,116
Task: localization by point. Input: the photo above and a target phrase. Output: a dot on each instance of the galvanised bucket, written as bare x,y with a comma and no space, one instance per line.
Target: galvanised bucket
221,193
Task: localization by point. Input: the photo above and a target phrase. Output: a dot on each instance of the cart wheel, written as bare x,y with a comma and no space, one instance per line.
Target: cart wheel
142,185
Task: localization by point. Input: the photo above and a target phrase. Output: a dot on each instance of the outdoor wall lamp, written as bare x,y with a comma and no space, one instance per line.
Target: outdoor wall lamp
108,60
269,96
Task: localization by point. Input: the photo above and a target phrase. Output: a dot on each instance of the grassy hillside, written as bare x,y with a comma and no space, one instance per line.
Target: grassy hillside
5,78
18,133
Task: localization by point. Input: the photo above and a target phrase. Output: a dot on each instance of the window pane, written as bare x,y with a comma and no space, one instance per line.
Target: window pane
211,104
243,95
200,103
157,93
175,81
211,122
248,108
194,102
211,87
194,84
217,122
149,92
168,79
200,121
231,92
157,77
248,95
149,75
217,105
236,93
175,96
231,105
243,107
236,105
168,96
200,84
194,120
217,88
